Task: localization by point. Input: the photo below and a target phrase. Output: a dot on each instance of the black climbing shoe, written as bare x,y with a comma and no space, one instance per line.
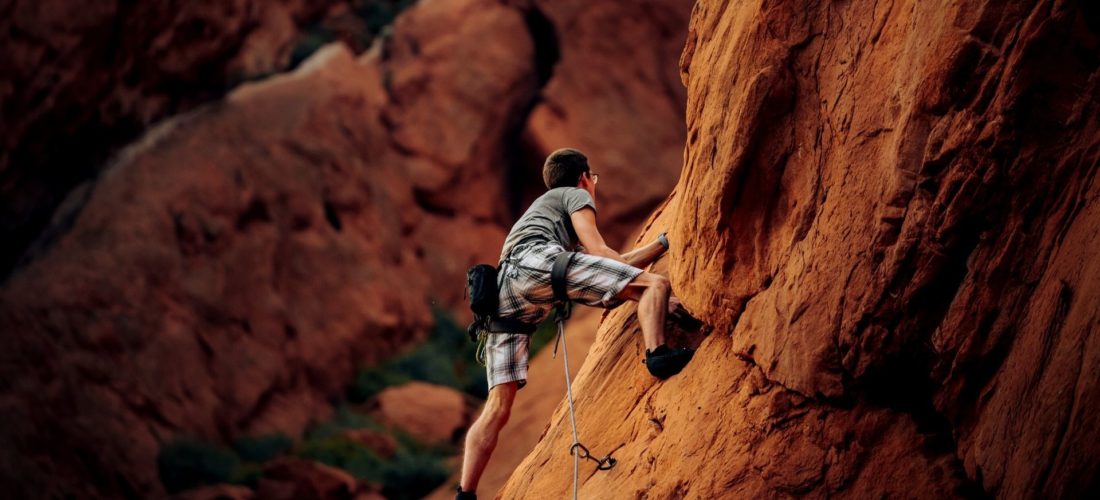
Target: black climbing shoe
464,495
664,362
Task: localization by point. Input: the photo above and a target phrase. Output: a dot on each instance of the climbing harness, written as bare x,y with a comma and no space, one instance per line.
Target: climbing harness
483,292
564,310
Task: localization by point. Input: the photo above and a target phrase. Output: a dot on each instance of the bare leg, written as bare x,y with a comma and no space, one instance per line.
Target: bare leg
652,292
482,437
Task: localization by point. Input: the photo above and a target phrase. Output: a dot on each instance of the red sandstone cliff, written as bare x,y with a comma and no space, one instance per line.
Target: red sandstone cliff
82,79
225,274
888,212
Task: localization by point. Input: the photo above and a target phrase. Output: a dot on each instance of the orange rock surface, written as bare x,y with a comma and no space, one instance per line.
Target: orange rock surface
888,213
430,413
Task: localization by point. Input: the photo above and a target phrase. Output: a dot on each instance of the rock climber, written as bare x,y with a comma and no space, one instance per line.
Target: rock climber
563,219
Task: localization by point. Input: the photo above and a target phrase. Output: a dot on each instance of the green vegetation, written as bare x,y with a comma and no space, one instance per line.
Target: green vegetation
343,419
188,463
411,475
412,472
446,358
378,14
247,474
262,448
353,457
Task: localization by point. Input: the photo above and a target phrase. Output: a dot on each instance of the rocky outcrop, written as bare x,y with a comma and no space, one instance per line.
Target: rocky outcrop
887,213
227,273
430,413
224,278
380,442
217,492
294,479
82,79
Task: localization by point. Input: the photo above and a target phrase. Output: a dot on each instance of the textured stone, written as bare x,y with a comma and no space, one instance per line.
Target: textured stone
295,479
217,492
226,274
430,413
888,214
380,442
82,79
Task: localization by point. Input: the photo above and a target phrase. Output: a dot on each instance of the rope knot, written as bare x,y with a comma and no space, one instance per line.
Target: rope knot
605,463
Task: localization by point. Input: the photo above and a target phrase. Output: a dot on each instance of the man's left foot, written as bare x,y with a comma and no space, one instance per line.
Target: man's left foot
664,362
463,495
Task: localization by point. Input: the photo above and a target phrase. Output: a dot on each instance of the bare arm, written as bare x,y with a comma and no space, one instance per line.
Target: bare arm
584,223
644,256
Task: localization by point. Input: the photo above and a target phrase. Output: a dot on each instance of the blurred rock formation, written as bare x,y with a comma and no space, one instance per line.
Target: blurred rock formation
82,79
225,274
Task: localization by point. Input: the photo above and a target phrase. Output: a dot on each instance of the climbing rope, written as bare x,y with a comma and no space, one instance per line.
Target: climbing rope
577,449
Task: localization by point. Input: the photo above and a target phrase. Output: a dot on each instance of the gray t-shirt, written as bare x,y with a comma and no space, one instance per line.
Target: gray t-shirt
548,220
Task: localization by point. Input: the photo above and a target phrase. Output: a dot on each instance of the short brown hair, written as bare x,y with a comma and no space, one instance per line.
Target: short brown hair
563,168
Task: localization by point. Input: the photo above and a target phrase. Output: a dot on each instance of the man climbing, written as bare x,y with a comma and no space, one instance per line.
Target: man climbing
563,219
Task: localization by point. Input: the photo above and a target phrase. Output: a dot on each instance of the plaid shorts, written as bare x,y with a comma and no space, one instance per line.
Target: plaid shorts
526,295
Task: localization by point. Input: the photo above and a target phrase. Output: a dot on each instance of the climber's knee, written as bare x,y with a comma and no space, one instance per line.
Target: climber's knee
643,282
661,284
498,407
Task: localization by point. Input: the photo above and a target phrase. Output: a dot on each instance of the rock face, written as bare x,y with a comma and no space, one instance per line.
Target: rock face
294,479
432,414
225,274
888,213
217,492
224,278
76,86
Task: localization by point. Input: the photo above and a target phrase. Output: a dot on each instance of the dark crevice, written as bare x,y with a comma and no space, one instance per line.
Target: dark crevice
262,404
1063,421
256,212
331,216
65,217
980,371
1055,324
903,379
904,386
545,37
425,200
523,177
